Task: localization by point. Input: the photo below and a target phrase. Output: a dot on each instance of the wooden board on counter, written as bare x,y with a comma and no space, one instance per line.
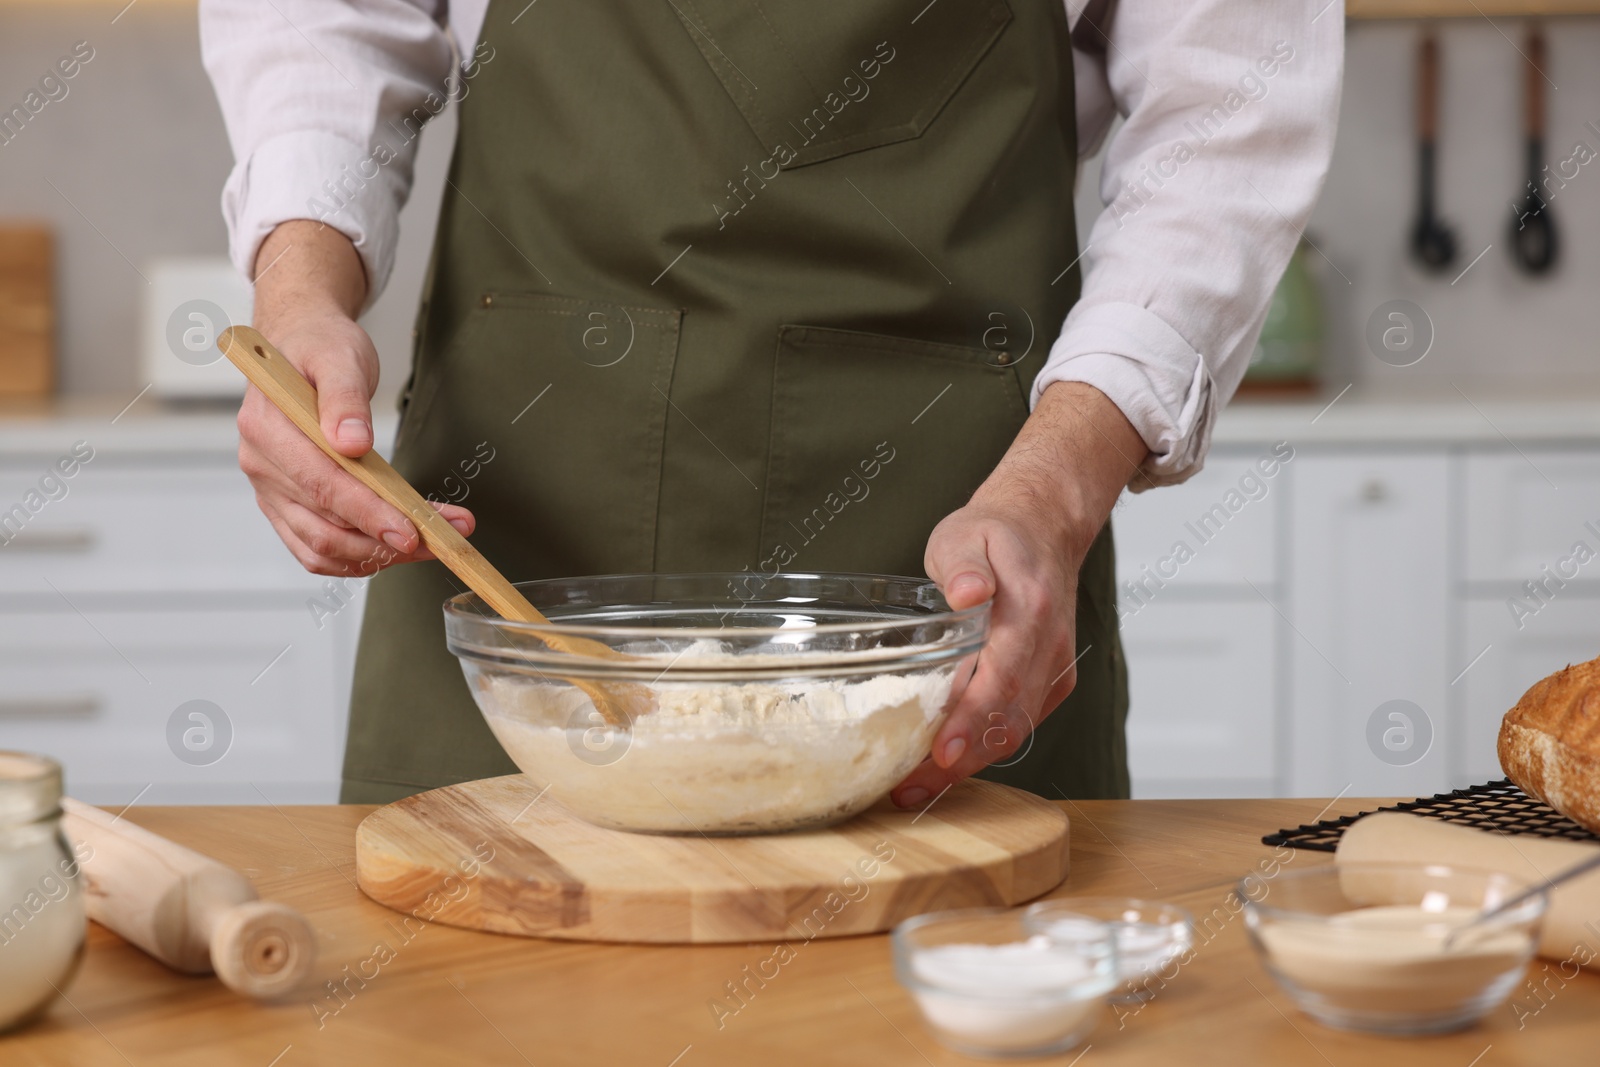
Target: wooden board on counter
27,310
525,865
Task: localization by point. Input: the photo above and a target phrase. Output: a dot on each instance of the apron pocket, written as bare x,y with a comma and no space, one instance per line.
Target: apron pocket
816,82
547,417
874,440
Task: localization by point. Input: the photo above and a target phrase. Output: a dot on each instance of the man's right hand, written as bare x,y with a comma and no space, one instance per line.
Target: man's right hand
310,285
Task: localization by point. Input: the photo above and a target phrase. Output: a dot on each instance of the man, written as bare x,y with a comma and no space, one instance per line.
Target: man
703,264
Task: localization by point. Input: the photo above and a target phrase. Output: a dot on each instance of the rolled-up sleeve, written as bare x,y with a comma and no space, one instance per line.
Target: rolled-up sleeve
1230,111
323,103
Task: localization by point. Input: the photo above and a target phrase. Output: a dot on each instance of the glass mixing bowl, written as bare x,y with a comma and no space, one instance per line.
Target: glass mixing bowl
782,702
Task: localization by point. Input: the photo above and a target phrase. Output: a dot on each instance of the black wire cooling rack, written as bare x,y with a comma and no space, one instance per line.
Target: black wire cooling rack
1497,806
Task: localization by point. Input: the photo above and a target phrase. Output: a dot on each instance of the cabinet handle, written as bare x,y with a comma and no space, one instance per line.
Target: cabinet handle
65,539
1374,491
64,707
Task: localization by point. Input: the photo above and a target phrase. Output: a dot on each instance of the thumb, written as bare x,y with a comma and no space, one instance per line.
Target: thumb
344,407
960,565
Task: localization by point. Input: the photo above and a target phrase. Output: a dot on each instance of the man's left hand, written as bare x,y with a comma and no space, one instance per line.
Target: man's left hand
1020,541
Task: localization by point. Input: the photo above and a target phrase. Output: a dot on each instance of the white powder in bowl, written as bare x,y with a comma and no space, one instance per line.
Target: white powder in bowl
743,757
1021,997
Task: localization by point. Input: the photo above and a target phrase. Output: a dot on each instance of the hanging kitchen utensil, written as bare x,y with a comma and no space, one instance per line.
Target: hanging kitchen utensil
290,393
1433,244
1533,231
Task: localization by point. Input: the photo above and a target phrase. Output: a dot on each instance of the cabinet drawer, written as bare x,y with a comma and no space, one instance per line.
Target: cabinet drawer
1517,523
98,692
134,528
1369,591
1200,680
1226,517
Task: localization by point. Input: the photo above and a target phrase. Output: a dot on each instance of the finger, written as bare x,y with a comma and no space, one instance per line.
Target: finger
999,734
1003,737
958,560
456,515
342,372
311,561
329,540
270,479
326,547
274,451
1001,683
925,782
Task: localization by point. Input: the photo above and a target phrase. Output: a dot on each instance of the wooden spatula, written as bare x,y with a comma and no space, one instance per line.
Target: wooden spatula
284,386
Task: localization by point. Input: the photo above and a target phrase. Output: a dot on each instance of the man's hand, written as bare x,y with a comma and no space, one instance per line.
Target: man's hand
310,285
1020,541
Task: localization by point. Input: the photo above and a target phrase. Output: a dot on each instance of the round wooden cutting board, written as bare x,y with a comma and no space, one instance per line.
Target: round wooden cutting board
496,855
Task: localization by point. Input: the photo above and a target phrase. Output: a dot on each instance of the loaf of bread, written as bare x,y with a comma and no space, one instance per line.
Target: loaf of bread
1550,743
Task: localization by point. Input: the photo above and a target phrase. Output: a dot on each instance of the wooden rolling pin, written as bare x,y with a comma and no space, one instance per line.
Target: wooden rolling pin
1574,916
187,910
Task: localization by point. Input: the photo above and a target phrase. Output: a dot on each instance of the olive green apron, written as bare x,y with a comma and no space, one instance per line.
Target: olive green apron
733,285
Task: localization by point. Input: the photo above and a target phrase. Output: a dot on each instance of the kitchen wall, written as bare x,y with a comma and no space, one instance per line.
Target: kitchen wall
1495,327
139,150
137,155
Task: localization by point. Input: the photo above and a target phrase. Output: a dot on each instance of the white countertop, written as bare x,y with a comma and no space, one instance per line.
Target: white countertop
152,427
1450,419
147,427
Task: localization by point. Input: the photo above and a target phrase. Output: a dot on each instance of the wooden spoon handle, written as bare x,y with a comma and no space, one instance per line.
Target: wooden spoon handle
284,386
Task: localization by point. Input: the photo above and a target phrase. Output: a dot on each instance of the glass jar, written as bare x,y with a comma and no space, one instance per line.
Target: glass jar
42,922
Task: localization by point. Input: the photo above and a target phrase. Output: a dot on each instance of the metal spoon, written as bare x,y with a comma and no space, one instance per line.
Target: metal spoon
1433,244
1533,231
1504,906
287,389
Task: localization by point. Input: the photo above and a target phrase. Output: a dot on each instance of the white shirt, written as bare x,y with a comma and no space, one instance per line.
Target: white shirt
1230,111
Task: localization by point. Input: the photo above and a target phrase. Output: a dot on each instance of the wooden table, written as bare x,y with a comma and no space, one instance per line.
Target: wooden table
436,995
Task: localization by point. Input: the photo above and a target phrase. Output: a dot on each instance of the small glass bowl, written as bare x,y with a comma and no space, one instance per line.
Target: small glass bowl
988,985
1151,936
1360,946
783,702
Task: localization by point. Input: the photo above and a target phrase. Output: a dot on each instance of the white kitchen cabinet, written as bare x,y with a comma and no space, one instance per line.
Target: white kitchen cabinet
144,526
1510,659
1526,510
1229,546
99,691
1375,573
1197,569
1202,717
1531,516
152,583
1369,605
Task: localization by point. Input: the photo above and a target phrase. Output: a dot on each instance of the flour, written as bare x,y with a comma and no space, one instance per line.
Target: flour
722,757
1016,998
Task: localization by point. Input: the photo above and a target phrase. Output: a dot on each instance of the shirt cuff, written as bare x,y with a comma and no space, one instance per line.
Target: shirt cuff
1151,373
317,176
